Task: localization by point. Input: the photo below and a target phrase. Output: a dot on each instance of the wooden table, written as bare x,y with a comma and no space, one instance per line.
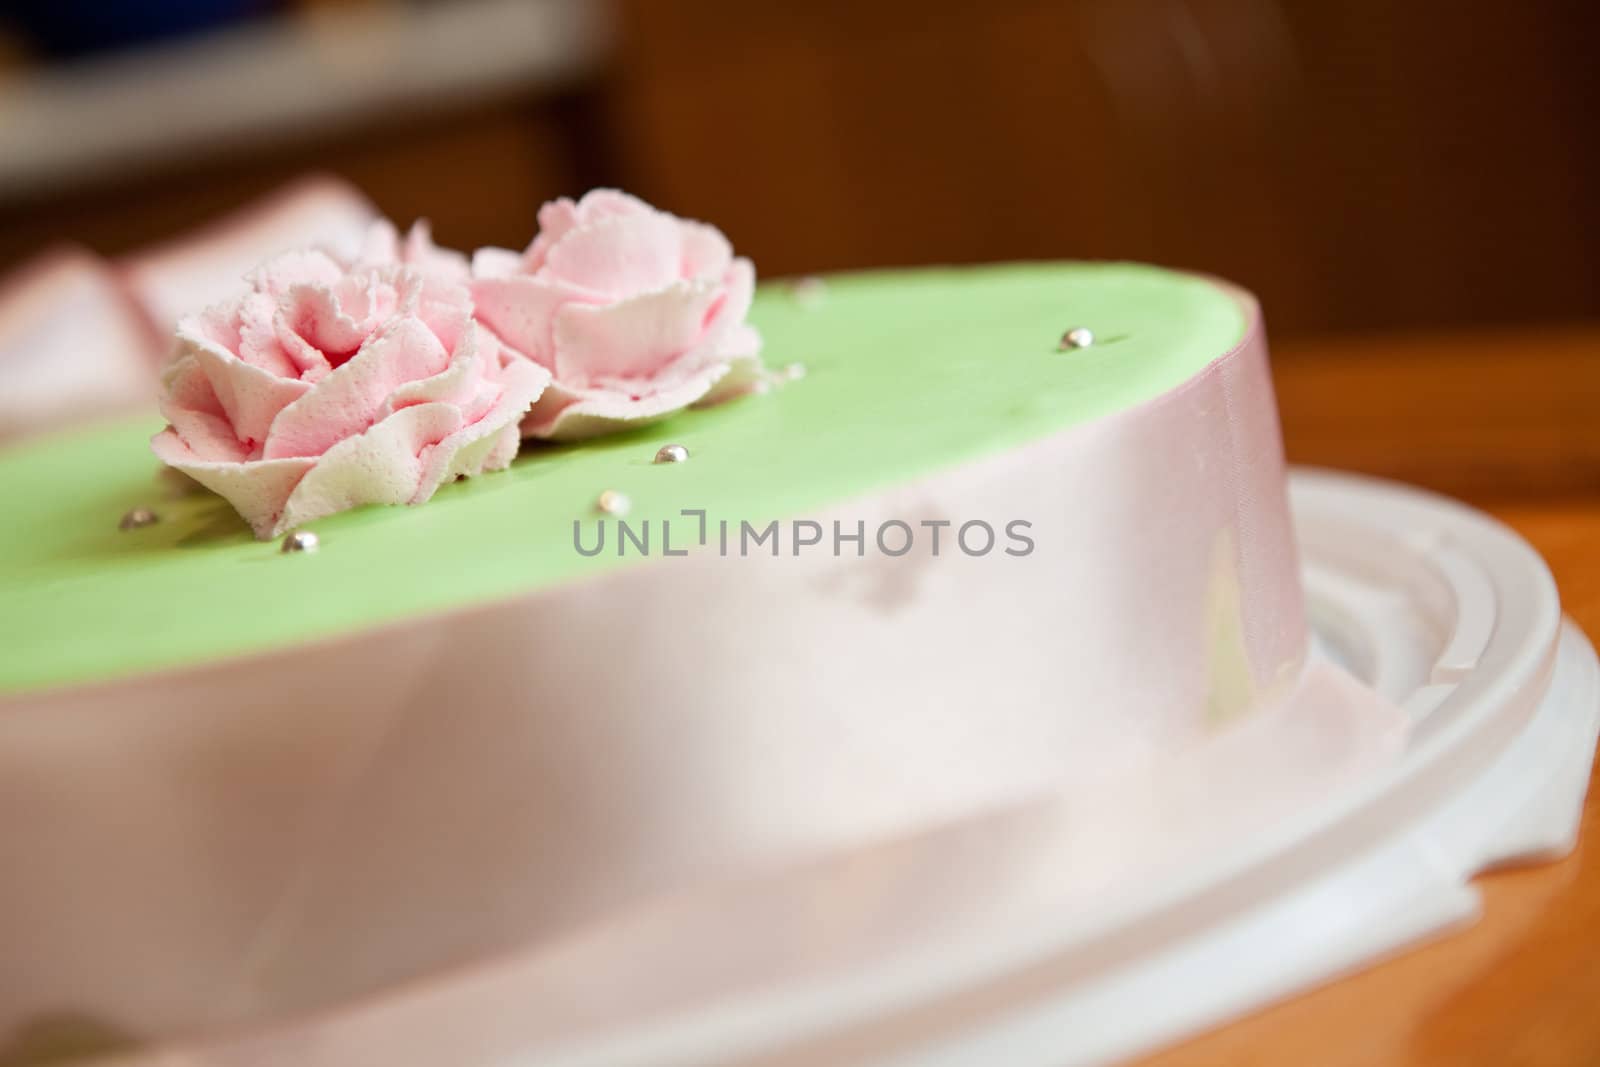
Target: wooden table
1510,422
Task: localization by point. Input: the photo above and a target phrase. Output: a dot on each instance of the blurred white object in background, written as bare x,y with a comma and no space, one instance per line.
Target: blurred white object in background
282,78
81,337
189,273
72,343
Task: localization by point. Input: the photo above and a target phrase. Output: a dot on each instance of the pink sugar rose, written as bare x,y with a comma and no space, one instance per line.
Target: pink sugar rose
635,313
331,384
384,245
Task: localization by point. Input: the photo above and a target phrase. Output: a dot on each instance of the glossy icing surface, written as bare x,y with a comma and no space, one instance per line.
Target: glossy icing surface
908,374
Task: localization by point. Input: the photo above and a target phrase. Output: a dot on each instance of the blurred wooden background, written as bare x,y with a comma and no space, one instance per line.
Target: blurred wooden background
1359,163
1367,167
1411,186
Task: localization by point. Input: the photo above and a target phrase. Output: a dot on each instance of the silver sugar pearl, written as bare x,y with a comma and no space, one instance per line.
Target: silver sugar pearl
808,291
300,541
136,518
794,372
672,454
1077,337
612,502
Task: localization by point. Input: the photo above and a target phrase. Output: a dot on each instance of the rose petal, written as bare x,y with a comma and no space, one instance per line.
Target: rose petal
278,275
706,253
521,311
489,347
604,203
190,404
457,384
563,414
314,316
740,352
739,290
309,363
250,396
618,255
559,217
257,490
335,320
507,443
490,442
380,466
490,262
381,244
474,384
420,251
445,305
636,338
258,342
353,396
218,325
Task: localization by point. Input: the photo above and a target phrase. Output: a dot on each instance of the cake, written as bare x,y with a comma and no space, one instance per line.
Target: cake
974,532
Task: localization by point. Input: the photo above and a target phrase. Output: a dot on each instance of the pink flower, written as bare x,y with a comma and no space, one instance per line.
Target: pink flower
635,313
331,384
384,245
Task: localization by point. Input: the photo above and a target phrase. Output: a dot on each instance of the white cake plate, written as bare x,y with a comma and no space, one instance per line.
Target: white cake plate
1439,608
1448,613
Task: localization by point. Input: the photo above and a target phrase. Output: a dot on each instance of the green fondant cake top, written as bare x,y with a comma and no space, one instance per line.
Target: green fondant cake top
908,373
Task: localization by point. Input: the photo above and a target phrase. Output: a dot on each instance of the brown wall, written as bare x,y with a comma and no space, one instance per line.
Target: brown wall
1360,163
479,175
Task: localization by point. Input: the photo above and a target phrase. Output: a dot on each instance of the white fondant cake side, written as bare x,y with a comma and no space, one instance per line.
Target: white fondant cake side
259,838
